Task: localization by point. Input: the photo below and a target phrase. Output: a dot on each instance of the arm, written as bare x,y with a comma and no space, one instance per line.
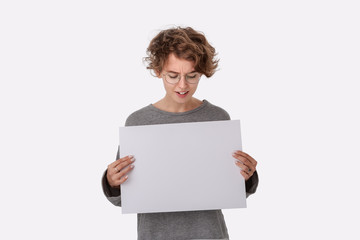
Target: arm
247,166
112,194
114,176
251,184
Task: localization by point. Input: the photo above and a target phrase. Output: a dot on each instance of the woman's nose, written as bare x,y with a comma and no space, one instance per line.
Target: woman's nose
182,82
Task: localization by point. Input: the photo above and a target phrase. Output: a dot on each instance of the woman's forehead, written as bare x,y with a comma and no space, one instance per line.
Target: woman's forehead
178,65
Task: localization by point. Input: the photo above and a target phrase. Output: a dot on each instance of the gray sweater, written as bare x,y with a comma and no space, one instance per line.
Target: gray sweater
209,224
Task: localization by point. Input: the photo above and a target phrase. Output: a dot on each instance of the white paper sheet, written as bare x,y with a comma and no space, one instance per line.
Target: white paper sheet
182,167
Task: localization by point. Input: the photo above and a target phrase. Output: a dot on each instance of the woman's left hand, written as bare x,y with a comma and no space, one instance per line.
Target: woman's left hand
246,163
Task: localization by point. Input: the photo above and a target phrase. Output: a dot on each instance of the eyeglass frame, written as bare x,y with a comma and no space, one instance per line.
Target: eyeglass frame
179,77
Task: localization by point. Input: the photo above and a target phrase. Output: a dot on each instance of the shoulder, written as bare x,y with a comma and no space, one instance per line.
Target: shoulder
216,111
137,117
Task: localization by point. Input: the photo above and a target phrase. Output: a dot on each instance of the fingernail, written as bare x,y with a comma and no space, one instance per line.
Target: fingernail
126,177
132,166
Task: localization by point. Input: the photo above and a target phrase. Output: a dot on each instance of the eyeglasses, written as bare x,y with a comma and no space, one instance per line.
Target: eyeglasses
174,78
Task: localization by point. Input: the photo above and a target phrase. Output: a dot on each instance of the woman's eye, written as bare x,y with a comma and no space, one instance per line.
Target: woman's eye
173,76
192,76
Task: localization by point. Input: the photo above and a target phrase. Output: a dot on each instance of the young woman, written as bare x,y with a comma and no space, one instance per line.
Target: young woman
178,56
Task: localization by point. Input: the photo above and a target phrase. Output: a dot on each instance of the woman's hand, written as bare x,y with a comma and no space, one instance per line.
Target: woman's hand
118,170
246,163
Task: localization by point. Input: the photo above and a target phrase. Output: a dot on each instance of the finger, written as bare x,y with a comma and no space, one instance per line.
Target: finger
124,163
118,161
244,167
244,160
251,159
118,182
247,156
240,158
118,178
119,164
245,175
122,180
124,172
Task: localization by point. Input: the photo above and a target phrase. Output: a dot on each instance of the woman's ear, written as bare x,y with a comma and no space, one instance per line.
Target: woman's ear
158,74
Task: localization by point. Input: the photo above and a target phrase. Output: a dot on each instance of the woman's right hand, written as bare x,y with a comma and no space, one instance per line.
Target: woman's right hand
118,170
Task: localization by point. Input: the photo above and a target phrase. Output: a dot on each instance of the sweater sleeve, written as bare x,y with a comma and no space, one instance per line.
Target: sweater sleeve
251,184
112,194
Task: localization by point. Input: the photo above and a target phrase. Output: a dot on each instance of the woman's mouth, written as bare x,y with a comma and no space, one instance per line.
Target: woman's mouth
182,94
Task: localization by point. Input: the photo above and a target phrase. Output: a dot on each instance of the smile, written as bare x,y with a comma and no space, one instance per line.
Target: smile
182,94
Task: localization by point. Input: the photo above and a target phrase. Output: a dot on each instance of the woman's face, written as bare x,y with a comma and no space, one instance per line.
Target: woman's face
182,91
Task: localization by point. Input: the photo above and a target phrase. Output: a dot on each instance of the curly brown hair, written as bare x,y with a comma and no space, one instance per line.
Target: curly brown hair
185,43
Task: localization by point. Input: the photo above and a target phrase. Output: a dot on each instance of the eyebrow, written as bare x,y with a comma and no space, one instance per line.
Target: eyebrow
179,73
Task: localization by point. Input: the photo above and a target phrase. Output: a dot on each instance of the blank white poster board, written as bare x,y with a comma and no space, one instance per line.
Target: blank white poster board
182,167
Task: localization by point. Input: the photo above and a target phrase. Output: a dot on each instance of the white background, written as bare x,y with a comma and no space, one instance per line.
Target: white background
72,71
